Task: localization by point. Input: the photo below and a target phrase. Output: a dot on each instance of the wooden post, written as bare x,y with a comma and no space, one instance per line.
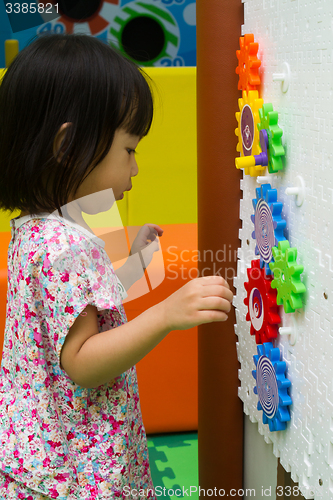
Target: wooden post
220,432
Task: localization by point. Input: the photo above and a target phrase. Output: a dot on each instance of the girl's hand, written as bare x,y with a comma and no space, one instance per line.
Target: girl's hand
201,300
146,243
146,235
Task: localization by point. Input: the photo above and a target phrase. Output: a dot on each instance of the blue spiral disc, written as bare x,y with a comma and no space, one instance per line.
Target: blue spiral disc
264,230
268,224
272,386
267,387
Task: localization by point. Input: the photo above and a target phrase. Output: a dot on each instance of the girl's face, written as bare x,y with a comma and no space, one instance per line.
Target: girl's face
115,170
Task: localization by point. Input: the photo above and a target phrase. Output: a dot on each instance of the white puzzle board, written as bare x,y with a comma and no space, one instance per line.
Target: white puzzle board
299,32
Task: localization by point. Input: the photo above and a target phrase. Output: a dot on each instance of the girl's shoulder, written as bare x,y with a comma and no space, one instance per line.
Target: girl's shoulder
57,242
47,224
56,251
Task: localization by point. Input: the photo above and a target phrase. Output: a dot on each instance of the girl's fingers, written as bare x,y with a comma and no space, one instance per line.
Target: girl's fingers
215,303
157,228
151,236
211,315
213,280
219,291
149,233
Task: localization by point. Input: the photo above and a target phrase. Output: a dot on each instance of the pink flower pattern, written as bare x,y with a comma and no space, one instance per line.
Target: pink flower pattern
57,439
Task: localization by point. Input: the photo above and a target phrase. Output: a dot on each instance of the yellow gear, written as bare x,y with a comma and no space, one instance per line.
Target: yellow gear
251,103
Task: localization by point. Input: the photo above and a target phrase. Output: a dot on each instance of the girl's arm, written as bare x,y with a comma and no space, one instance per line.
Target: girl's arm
91,359
130,272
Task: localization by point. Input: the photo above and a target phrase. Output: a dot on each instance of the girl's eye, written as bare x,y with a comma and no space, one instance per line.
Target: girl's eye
129,151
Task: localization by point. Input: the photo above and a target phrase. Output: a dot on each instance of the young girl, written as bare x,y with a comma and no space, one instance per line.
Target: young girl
72,112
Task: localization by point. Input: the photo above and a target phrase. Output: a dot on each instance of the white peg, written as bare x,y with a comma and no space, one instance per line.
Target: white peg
278,77
283,77
285,330
263,179
292,190
298,190
291,331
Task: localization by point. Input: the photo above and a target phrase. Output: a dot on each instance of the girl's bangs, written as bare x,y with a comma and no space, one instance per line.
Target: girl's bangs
137,113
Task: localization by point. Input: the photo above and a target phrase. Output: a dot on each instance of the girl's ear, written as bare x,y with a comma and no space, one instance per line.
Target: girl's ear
60,143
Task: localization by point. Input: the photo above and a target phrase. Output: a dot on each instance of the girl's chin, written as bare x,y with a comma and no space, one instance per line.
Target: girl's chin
121,196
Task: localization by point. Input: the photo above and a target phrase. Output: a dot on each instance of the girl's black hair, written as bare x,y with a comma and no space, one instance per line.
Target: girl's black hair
62,78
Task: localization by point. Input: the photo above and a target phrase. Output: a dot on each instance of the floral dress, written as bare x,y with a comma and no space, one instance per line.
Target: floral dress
58,439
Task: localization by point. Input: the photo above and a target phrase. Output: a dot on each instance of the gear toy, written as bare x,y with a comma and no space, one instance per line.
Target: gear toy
287,279
248,63
261,304
248,133
268,224
271,387
269,122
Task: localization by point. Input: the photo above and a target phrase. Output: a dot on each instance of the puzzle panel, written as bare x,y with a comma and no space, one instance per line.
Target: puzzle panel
286,214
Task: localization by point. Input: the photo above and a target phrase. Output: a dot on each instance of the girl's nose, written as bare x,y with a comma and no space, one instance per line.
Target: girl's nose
135,169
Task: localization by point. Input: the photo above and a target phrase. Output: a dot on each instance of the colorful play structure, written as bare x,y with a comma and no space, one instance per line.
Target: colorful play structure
168,376
152,32
254,207
169,398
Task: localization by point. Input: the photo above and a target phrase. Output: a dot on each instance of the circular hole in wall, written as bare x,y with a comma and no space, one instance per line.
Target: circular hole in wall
78,10
143,38
325,296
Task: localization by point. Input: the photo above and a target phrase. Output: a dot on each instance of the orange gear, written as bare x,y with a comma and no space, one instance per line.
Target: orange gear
248,63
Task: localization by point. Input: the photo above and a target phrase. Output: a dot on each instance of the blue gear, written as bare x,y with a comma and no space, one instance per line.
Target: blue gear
272,386
268,224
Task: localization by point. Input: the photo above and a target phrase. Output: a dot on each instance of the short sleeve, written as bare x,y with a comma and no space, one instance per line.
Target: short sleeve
78,276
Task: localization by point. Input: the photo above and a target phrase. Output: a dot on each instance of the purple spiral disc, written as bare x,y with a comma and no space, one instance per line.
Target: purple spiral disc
264,230
267,387
256,309
247,129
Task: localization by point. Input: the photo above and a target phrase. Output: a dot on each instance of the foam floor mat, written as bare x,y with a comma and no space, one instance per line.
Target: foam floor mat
174,465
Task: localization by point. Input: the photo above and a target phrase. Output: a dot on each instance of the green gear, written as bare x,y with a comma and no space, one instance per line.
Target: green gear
269,122
287,277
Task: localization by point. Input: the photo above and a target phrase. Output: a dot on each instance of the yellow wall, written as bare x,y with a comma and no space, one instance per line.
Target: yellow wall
166,187
165,190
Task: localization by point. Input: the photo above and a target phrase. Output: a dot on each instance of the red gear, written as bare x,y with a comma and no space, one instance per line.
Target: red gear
248,64
261,304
